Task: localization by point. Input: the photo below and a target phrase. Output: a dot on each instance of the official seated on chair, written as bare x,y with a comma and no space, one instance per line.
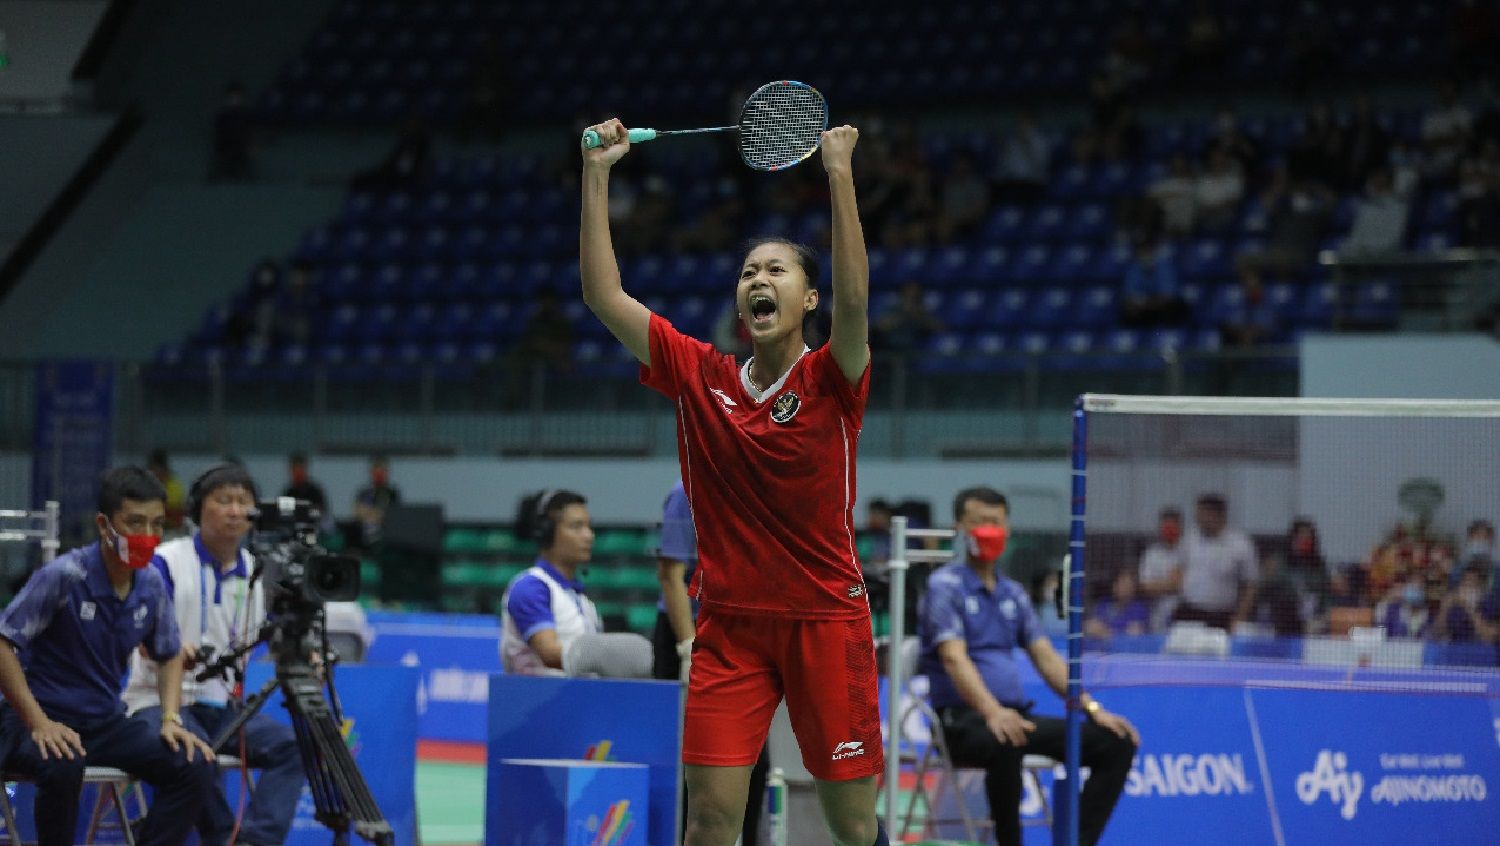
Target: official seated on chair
218,607
972,619
76,622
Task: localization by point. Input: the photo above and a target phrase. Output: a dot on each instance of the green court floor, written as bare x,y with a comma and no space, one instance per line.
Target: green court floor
450,803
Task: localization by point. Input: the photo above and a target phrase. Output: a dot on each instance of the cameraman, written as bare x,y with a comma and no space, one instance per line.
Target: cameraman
218,610
76,622
544,609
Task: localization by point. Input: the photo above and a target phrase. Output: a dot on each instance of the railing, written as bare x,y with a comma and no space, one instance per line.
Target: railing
1442,290
962,406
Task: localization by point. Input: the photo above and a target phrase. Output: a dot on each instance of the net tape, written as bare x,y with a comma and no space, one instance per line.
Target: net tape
781,125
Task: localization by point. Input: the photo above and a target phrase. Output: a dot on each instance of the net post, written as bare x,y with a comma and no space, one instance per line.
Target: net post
897,565
1074,591
51,530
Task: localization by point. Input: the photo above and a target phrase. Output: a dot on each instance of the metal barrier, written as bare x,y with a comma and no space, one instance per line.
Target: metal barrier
47,533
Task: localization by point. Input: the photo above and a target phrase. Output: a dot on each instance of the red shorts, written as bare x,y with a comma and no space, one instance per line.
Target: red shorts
743,665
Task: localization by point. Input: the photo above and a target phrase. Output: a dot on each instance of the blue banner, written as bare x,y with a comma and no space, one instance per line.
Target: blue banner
380,714
597,719
72,439
456,655
1381,768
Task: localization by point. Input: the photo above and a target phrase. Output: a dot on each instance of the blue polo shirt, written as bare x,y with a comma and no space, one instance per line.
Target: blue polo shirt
530,602
75,635
991,624
679,539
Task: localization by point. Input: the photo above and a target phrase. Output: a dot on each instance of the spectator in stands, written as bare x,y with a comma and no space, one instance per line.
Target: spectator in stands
1160,565
1177,195
548,336
1226,134
972,619
161,467
963,200
730,335
716,227
1123,612
1445,132
878,516
1203,45
300,485
1127,62
1479,549
1022,168
1379,219
1113,133
372,501
1219,190
1319,583
408,164
1367,146
545,608
75,624
1479,197
1294,214
1406,171
1218,575
1152,294
1462,617
906,326
1046,598
1251,321
218,609
234,137
1316,158
1406,612
1278,602
672,642
296,307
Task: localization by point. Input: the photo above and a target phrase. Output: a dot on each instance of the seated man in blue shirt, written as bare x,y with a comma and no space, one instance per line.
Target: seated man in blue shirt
75,625
972,619
544,609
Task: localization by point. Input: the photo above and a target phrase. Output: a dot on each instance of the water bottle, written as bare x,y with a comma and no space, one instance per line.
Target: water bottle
776,806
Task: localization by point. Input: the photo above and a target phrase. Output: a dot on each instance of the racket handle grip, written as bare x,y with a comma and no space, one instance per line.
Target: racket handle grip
591,138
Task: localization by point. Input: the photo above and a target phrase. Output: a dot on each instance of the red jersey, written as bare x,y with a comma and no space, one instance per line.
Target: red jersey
771,482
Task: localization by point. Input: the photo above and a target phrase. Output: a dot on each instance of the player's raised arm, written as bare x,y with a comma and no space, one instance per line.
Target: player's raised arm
850,334
621,313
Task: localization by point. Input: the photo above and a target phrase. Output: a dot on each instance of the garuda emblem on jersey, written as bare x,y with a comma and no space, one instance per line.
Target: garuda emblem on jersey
785,407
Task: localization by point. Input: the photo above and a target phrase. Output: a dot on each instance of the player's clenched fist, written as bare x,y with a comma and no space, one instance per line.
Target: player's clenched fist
838,147
614,142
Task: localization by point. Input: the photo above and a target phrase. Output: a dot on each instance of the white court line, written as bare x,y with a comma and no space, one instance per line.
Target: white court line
1265,769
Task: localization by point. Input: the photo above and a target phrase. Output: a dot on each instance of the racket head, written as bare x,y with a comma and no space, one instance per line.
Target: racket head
781,124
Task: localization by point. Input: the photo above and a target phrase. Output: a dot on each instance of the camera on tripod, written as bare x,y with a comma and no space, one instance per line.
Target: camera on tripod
299,574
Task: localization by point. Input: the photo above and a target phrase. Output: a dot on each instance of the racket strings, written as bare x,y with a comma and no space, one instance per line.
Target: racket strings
782,124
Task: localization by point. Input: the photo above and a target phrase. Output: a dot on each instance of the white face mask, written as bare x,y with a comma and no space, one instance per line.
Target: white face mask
1479,549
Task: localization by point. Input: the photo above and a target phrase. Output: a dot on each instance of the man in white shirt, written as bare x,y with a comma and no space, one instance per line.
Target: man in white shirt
544,608
1218,576
215,605
1159,567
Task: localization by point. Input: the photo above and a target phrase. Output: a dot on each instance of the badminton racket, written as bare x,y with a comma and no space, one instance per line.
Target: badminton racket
781,124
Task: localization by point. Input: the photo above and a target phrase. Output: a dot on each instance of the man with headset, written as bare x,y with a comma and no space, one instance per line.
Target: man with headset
544,608
219,607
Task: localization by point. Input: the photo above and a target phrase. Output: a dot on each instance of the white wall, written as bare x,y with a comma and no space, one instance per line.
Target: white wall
44,39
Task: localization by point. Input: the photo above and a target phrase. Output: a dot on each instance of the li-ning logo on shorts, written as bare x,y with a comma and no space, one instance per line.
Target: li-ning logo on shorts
848,749
856,591
85,610
785,407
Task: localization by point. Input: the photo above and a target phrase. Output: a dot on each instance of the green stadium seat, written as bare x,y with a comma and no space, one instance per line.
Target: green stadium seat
463,539
641,618
618,542
639,578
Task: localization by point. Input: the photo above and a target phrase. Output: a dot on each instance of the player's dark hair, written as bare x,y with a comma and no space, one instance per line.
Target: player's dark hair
1215,502
133,483
982,493
1172,512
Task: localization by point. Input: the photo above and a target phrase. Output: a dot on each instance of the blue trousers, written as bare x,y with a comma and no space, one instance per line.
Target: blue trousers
270,747
182,788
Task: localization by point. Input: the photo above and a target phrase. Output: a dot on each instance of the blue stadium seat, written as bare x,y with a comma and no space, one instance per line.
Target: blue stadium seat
1009,310
1052,308
1087,222
1033,265
1376,304
1005,225
1204,258
1047,224
1319,303
966,309
1096,308
990,266
951,266
1073,264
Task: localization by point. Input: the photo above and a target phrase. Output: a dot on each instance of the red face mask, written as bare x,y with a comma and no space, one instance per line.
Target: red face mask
299,475
379,477
1170,532
986,543
1303,546
134,550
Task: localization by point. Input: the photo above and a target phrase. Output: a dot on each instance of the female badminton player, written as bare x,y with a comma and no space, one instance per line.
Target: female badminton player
768,452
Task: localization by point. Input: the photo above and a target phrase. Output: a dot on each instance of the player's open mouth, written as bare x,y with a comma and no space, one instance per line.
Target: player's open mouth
762,310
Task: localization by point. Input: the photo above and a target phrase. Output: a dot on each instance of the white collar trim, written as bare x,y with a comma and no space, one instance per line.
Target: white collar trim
757,395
